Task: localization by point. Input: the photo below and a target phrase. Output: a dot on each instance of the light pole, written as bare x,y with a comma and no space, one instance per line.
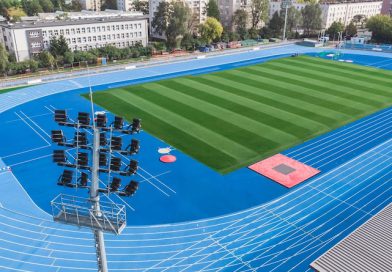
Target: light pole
91,212
285,5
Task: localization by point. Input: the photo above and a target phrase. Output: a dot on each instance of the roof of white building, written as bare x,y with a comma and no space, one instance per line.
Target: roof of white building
60,18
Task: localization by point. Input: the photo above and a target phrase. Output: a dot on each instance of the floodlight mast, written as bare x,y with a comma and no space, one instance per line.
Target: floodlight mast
94,189
94,197
285,4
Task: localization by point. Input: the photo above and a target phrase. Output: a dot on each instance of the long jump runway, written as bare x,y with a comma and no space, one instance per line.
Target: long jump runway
285,234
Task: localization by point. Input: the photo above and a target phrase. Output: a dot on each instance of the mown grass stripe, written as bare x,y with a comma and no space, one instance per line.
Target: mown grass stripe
350,66
318,97
278,115
160,127
316,113
229,123
198,127
314,83
362,77
226,109
359,89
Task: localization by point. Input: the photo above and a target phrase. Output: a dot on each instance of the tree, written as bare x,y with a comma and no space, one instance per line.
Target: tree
46,59
47,5
171,20
240,22
188,42
311,16
76,5
351,29
109,4
359,20
141,5
69,57
161,18
3,59
212,9
334,29
58,47
15,13
293,20
211,30
177,27
33,65
381,28
31,7
276,25
258,11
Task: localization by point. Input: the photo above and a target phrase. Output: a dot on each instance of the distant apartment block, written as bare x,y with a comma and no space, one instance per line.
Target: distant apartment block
337,11
93,5
227,8
387,7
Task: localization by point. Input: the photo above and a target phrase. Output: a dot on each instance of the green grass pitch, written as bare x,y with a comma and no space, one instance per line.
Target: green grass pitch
236,117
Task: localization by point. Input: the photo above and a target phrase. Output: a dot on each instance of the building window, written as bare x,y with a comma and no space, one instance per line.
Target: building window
73,31
83,30
43,33
122,27
93,29
84,39
99,38
98,29
61,31
56,32
67,31
88,30
89,39
108,28
78,31
79,40
94,38
73,40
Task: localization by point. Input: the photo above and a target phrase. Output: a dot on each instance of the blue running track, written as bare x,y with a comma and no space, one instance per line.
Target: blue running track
269,229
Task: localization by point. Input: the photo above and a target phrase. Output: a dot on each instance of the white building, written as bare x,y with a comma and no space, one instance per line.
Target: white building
82,31
332,11
197,7
93,5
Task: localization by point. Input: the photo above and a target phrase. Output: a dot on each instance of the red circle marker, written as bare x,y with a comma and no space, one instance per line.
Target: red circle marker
168,158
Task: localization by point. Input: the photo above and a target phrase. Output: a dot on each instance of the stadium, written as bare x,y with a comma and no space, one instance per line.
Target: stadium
261,160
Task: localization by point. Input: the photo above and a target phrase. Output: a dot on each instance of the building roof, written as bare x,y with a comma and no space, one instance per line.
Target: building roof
74,18
368,248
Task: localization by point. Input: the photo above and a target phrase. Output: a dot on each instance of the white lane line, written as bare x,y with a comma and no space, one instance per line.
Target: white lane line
32,116
347,130
23,162
33,129
345,140
300,219
47,134
23,152
286,212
